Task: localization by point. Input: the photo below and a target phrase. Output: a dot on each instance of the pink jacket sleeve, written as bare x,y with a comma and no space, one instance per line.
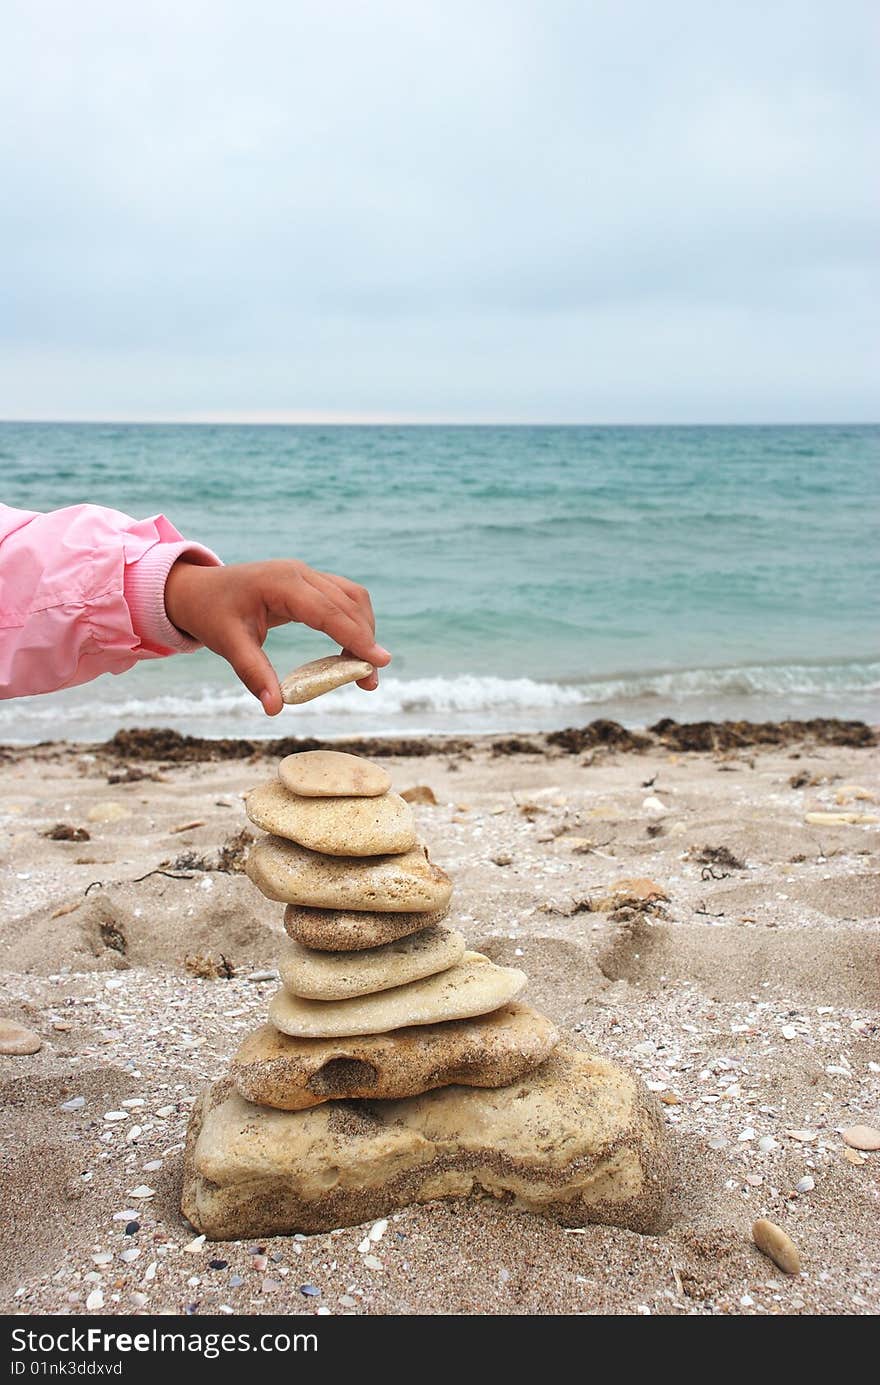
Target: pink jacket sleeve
82,593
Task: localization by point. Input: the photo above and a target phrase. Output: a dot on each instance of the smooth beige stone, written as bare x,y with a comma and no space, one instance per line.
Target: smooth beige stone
351,930
577,1140
474,986
335,826
861,1137
777,1245
275,1069
407,883
16,1040
322,676
340,975
332,773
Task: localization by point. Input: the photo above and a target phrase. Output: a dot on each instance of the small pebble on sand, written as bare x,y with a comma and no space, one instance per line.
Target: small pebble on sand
777,1245
17,1041
861,1137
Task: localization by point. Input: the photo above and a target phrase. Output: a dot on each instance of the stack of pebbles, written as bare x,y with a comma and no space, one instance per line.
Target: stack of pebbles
380,997
397,1066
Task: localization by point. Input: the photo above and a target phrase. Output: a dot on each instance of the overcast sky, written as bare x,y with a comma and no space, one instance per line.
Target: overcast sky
524,210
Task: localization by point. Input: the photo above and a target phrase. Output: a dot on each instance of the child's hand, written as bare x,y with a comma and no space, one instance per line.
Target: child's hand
230,610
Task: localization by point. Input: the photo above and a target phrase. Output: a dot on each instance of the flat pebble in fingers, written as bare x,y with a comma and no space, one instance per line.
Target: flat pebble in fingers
322,676
777,1245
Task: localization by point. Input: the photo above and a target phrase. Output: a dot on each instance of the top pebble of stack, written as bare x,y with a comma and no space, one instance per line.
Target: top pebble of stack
332,774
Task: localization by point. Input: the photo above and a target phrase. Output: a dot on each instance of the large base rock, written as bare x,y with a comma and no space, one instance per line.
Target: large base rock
576,1140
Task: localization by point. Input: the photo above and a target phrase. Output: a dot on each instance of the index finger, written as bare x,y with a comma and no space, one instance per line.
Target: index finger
315,607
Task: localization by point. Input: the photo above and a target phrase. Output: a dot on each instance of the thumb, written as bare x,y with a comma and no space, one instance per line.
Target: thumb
254,669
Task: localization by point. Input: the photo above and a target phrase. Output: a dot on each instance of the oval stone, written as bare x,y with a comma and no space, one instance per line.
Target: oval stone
335,826
351,930
17,1040
337,975
332,774
474,986
861,1137
322,676
777,1245
407,883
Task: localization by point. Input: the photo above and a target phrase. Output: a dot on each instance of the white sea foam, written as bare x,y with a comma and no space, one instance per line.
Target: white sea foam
747,681
459,701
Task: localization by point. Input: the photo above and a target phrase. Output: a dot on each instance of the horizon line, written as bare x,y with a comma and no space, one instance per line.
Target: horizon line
267,419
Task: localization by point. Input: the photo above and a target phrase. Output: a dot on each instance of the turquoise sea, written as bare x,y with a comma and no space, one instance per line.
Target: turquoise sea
523,577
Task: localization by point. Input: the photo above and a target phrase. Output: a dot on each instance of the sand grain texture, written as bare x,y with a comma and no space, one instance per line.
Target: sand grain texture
748,1002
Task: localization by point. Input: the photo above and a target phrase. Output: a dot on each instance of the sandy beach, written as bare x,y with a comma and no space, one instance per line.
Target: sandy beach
748,1000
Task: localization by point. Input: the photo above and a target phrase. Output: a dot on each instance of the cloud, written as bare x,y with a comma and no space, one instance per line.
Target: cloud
503,210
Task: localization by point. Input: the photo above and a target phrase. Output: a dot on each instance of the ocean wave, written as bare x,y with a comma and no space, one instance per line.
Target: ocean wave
453,698
750,680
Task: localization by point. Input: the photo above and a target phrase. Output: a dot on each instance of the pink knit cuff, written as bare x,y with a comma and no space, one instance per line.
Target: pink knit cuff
145,594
